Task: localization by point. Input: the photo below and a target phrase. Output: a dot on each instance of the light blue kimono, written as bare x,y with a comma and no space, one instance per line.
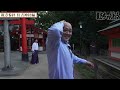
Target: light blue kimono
60,58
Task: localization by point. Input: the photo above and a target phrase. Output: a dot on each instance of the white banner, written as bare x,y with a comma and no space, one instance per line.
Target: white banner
18,15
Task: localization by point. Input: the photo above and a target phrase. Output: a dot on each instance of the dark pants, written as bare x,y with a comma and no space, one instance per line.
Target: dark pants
34,59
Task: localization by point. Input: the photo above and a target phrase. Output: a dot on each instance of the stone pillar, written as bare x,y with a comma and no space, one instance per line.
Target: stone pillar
7,47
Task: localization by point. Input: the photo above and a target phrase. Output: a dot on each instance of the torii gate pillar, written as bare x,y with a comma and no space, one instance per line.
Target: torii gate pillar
23,22
24,40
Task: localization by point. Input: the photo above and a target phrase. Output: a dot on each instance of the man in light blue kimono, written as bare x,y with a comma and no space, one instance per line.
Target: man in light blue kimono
60,58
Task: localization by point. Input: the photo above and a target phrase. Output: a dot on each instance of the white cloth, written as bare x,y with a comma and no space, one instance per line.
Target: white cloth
34,46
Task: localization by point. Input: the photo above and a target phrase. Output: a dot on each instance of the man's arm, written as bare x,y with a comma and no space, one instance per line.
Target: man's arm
54,35
56,30
80,60
33,47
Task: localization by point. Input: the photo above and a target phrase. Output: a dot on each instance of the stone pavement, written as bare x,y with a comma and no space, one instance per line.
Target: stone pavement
24,70
18,65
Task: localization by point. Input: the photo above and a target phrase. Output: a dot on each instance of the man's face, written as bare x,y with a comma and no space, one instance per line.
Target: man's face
36,40
67,31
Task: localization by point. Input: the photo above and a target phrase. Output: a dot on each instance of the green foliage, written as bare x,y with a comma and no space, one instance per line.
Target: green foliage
44,19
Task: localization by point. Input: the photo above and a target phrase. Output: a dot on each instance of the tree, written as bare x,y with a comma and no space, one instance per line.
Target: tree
88,18
45,19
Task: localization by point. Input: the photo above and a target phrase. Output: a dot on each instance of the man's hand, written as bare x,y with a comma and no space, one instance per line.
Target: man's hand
63,21
90,64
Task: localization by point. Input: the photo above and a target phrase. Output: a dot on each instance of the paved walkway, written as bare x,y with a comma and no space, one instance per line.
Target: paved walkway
25,70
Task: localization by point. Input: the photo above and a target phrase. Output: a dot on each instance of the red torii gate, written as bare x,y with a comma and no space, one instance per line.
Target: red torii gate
36,31
23,22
